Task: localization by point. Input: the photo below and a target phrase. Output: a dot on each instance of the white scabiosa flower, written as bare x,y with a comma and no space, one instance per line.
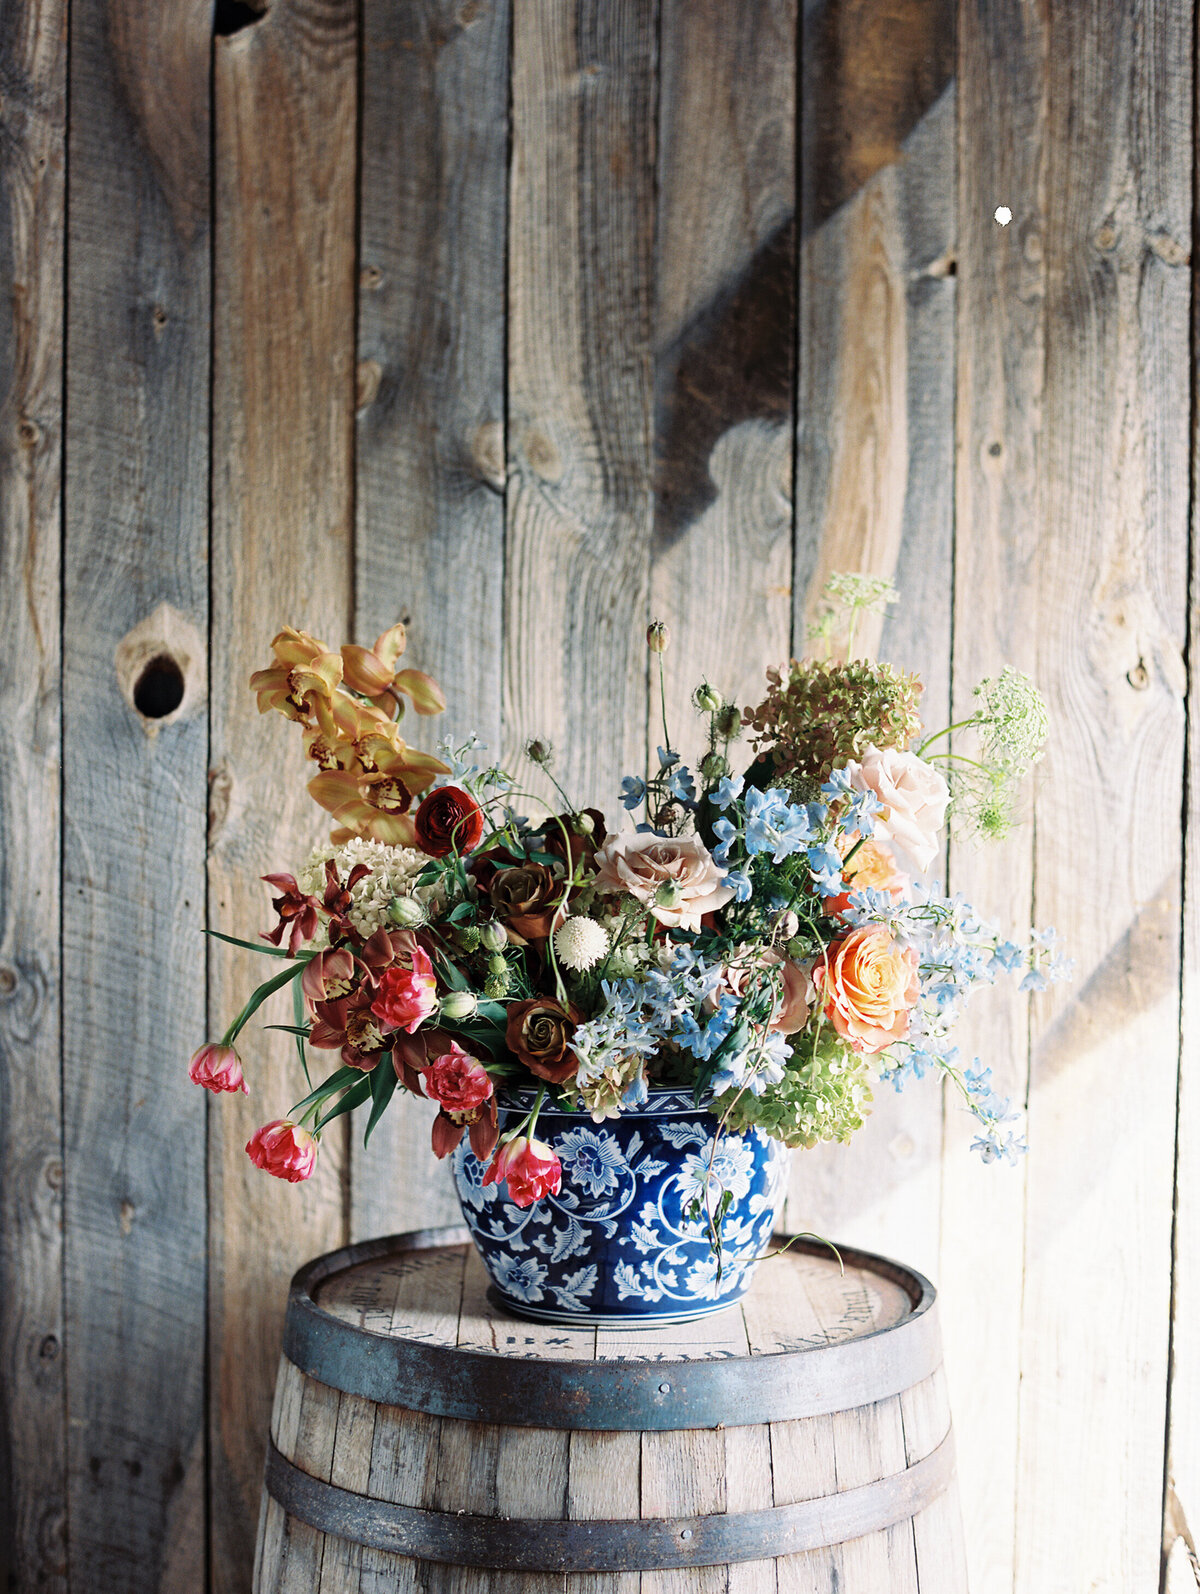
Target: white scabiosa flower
580,943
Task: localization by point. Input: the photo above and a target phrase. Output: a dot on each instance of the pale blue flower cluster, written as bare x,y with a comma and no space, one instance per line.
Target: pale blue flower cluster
682,1005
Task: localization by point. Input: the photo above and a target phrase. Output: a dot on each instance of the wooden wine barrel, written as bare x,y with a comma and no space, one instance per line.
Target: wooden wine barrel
424,1440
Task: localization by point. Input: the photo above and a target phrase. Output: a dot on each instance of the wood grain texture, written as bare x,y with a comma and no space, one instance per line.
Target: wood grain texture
1182,1503
1111,625
724,341
1002,87
874,462
282,517
430,468
32,1363
580,388
136,538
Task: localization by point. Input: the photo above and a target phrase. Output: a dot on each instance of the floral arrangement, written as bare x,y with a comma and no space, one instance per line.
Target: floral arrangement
765,939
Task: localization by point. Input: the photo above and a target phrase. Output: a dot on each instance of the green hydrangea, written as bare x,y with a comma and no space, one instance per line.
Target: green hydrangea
825,1094
823,714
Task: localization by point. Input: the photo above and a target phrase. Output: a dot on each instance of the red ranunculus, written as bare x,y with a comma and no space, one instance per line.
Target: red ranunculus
530,1168
449,819
283,1150
406,996
457,1081
217,1068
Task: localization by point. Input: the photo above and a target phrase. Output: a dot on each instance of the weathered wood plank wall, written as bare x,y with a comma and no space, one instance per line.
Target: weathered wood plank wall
524,322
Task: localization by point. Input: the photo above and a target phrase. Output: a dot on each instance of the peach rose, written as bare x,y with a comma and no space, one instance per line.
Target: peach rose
792,1012
675,876
872,866
914,797
869,982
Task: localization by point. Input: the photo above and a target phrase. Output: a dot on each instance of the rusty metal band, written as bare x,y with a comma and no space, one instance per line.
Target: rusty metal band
607,1395
650,1544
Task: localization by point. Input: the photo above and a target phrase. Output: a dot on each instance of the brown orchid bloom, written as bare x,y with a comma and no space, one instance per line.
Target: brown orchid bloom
329,975
374,799
302,683
349,1024
337,900
481,1124
372,671
295,909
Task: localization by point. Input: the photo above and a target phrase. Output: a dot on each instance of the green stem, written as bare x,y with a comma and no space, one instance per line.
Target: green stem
662,700
959,725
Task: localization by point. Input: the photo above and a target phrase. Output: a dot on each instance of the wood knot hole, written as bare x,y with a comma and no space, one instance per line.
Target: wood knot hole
30,433
158,690
231,16
48,1349
8,980
1139,676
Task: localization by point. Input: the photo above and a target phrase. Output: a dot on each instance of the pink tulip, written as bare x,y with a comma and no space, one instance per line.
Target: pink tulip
284,1150
457,1081
217,1068
406,996
530,1167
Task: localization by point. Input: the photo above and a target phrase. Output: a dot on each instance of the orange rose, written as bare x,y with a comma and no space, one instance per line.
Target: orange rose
870,984
871,866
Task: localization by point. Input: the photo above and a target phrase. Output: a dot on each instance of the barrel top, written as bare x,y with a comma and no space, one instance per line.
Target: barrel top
799,1300
407,1322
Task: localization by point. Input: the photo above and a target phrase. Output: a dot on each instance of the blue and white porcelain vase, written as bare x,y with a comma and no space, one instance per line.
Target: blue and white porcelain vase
622,1245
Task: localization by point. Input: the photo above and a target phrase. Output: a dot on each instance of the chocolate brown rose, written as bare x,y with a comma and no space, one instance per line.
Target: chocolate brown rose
526,898
539,1032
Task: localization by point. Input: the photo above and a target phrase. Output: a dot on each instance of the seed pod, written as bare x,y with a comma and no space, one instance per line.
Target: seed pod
406,912
658,636
468,937
729,722
714,767
459,1005
707,699
493,937
496,964
496,986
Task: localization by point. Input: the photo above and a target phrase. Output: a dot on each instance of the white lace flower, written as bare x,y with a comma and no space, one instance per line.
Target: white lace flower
393,873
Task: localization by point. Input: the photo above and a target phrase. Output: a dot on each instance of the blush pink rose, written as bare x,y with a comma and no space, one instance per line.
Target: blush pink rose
457,1080
914,797
406,996
642,865
284,1150
217,1068
870,985
792,1013
530,1167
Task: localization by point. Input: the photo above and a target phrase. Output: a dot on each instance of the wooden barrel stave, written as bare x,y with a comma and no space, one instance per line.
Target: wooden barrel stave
449,1464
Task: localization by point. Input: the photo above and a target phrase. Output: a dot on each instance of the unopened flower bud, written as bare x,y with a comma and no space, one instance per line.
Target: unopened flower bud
714,767
658,636
496,964
468,937
459,1005
406,912
539,751
493,936
583,824
707,699
788,925
668,895
728,722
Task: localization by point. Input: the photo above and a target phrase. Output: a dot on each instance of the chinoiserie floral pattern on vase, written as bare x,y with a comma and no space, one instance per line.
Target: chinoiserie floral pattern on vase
626,1240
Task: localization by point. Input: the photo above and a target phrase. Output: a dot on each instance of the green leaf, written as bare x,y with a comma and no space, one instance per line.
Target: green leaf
494,1012
267,988
290,1029
298,1015
251,946
492,1039
428,876
461,912
353,1098
547,858
383,1085
328,1087
453,976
